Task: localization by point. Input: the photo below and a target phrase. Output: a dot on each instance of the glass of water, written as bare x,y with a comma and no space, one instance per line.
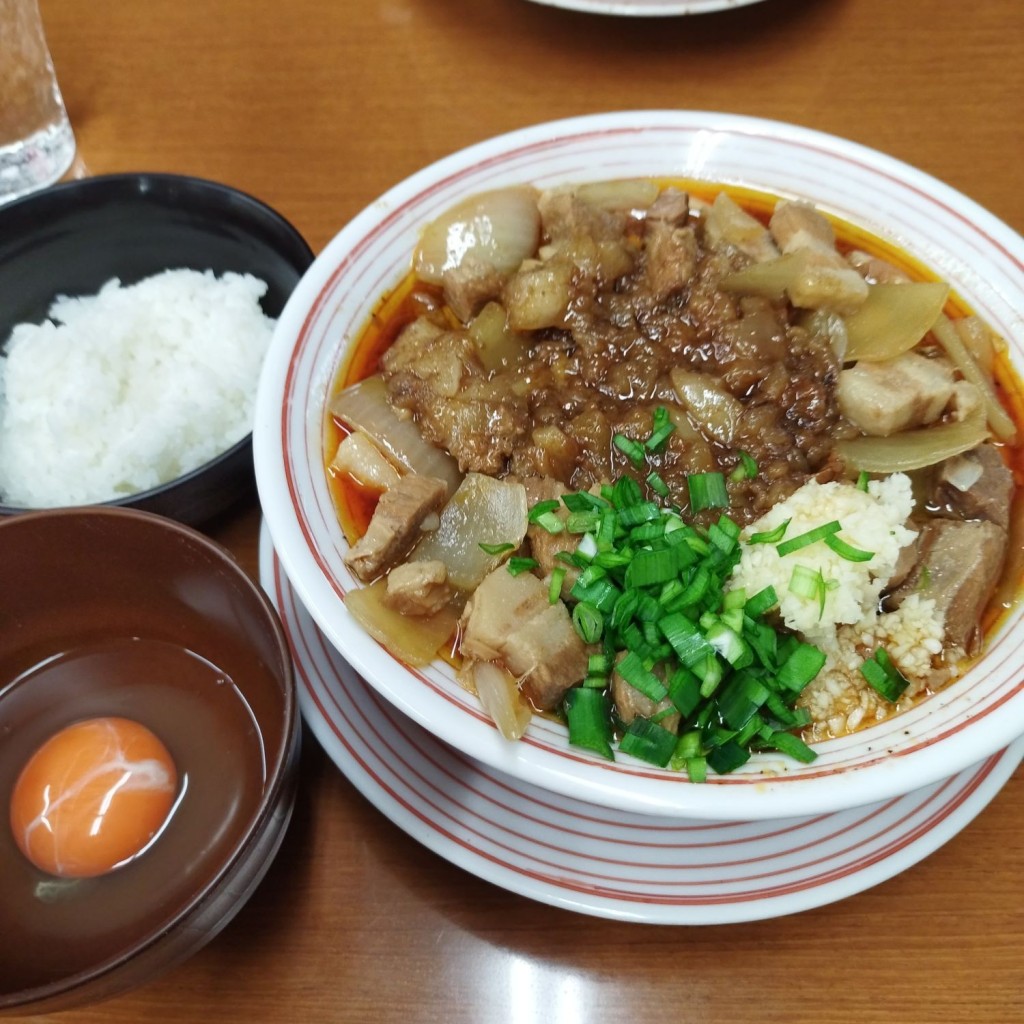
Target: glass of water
37,144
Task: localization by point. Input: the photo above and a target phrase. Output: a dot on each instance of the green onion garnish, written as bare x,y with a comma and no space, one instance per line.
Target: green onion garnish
648,741
588,621
555,585
632,669
844,550
633,450
517,565
652,599
809,583
803,540
661,431
707,490
883,676
588,715
745,469
657,484
862,481
770,536
496,549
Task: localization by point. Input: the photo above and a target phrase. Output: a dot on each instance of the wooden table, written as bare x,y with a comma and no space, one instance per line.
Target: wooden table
317,106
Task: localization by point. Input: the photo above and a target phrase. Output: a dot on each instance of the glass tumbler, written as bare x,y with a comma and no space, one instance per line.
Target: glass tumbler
37,144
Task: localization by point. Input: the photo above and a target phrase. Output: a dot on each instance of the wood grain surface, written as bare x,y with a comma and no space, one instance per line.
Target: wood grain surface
318,106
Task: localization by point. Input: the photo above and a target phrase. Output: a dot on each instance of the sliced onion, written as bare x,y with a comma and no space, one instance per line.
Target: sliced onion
999,419
416,640
482,511
771,279
500,696
727,223
714,411
365,406
625,194
811,278
498,229
914,449
829,326
359,458
497,345
893,319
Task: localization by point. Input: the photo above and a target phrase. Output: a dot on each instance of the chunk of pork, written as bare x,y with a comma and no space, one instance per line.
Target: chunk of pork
977,485
509,619
827,281
395,525
886,397
958,567
418,588
671,258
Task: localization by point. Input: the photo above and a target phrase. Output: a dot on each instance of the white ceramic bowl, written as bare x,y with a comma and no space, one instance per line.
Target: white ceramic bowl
982,258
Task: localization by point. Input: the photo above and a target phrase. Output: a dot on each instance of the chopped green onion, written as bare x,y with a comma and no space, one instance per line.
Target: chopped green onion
883,676
761,602
844,550
632,669
542,508
809,583
555,586
583,501
803,663
793,746
634,515
496,549
588,622
588,715
518,565
787,547
650,567
862,481
550,522
648,741
727,757
687,641
729,644
583,522
633,450
770,536
707,490
661,431
625,492
657,484
746,468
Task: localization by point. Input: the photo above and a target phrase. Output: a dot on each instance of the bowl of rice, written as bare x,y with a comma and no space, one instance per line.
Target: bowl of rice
817,555
137,312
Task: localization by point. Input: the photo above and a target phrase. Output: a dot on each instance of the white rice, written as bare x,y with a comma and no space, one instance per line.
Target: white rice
130,388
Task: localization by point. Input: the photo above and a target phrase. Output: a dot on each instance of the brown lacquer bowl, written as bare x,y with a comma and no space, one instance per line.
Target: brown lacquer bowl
120,613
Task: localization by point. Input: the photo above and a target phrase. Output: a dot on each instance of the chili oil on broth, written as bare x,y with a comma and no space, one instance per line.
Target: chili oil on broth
411,298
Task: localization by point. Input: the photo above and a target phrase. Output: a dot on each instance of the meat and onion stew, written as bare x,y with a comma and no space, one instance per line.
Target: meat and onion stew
676,466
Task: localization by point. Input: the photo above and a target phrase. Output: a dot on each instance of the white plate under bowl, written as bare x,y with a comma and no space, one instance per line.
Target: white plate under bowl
592,860
983,259
647,8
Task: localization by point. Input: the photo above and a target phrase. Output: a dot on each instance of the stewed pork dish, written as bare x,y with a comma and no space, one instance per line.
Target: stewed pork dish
699,471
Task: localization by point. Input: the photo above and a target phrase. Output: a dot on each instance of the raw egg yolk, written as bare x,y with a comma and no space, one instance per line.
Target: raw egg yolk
92,797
